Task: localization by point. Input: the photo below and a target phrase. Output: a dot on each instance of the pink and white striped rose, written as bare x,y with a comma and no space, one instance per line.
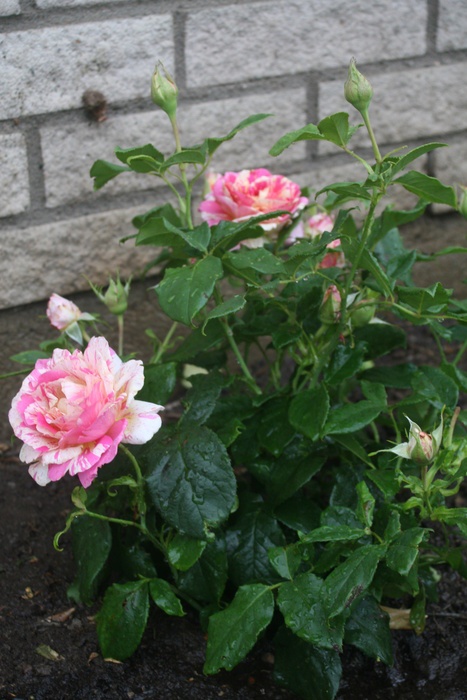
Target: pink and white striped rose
74,409
238,196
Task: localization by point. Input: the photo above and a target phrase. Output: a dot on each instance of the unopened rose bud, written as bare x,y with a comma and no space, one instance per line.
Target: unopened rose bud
357,89
164,91
64,315
422,447
116,297
330,311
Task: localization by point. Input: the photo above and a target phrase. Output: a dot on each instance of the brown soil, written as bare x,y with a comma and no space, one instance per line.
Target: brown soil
35,614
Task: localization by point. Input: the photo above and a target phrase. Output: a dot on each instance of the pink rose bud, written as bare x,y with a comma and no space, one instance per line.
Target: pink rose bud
357,89
62,312
240,196
164,91
74,409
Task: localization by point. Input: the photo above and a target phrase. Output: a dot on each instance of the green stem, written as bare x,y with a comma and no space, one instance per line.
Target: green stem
233,344
163,346
366,119
120,324
178,146
140,482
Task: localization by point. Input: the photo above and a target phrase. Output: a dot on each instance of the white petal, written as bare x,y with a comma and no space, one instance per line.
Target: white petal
143,422
39,473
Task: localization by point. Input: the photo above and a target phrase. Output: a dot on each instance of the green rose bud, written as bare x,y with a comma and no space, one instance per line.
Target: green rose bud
116,296
357,89
164,91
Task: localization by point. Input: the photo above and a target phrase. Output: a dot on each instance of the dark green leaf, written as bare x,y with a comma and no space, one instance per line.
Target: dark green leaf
334,533
234,631
206,579
201,399
190,480
92,542
230,306
259,259
345,362
184,291
380,338
122,619
256,532
102,171
368,630
350,579
148,151
418,612
29,357
274,430
186,155
336,128
308,411
159,383
285,560
425,300
351,417
366,504
314,674
428,188
306,133
403,550
184,551
164,597
301,604
435,385
412,155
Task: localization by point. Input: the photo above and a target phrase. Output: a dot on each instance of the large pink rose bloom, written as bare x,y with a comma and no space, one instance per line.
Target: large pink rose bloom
239,196
74,409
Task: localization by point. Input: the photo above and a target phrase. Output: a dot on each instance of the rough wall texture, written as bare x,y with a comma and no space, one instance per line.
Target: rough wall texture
230,58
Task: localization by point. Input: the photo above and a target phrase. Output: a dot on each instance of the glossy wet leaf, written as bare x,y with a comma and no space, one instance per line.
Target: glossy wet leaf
302,604
184,291
184,551
404,550
190,480
312,673
234,631
351,578
122,619
92,542
368,630
308,411
164,597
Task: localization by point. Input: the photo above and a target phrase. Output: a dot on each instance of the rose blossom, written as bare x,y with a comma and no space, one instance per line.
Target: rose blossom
315,227
240,196
62,312
74,409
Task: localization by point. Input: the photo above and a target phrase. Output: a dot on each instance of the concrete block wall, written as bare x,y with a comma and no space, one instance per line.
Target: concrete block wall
229,58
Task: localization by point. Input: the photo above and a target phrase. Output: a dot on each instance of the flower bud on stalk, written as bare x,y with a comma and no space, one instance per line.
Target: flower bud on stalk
164,91
116,296
422,447
357,89
330,311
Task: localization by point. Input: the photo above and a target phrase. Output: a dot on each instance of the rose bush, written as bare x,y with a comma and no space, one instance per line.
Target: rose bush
74,409
268,502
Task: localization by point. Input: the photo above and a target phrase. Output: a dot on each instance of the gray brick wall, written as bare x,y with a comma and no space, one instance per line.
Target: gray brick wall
230,58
